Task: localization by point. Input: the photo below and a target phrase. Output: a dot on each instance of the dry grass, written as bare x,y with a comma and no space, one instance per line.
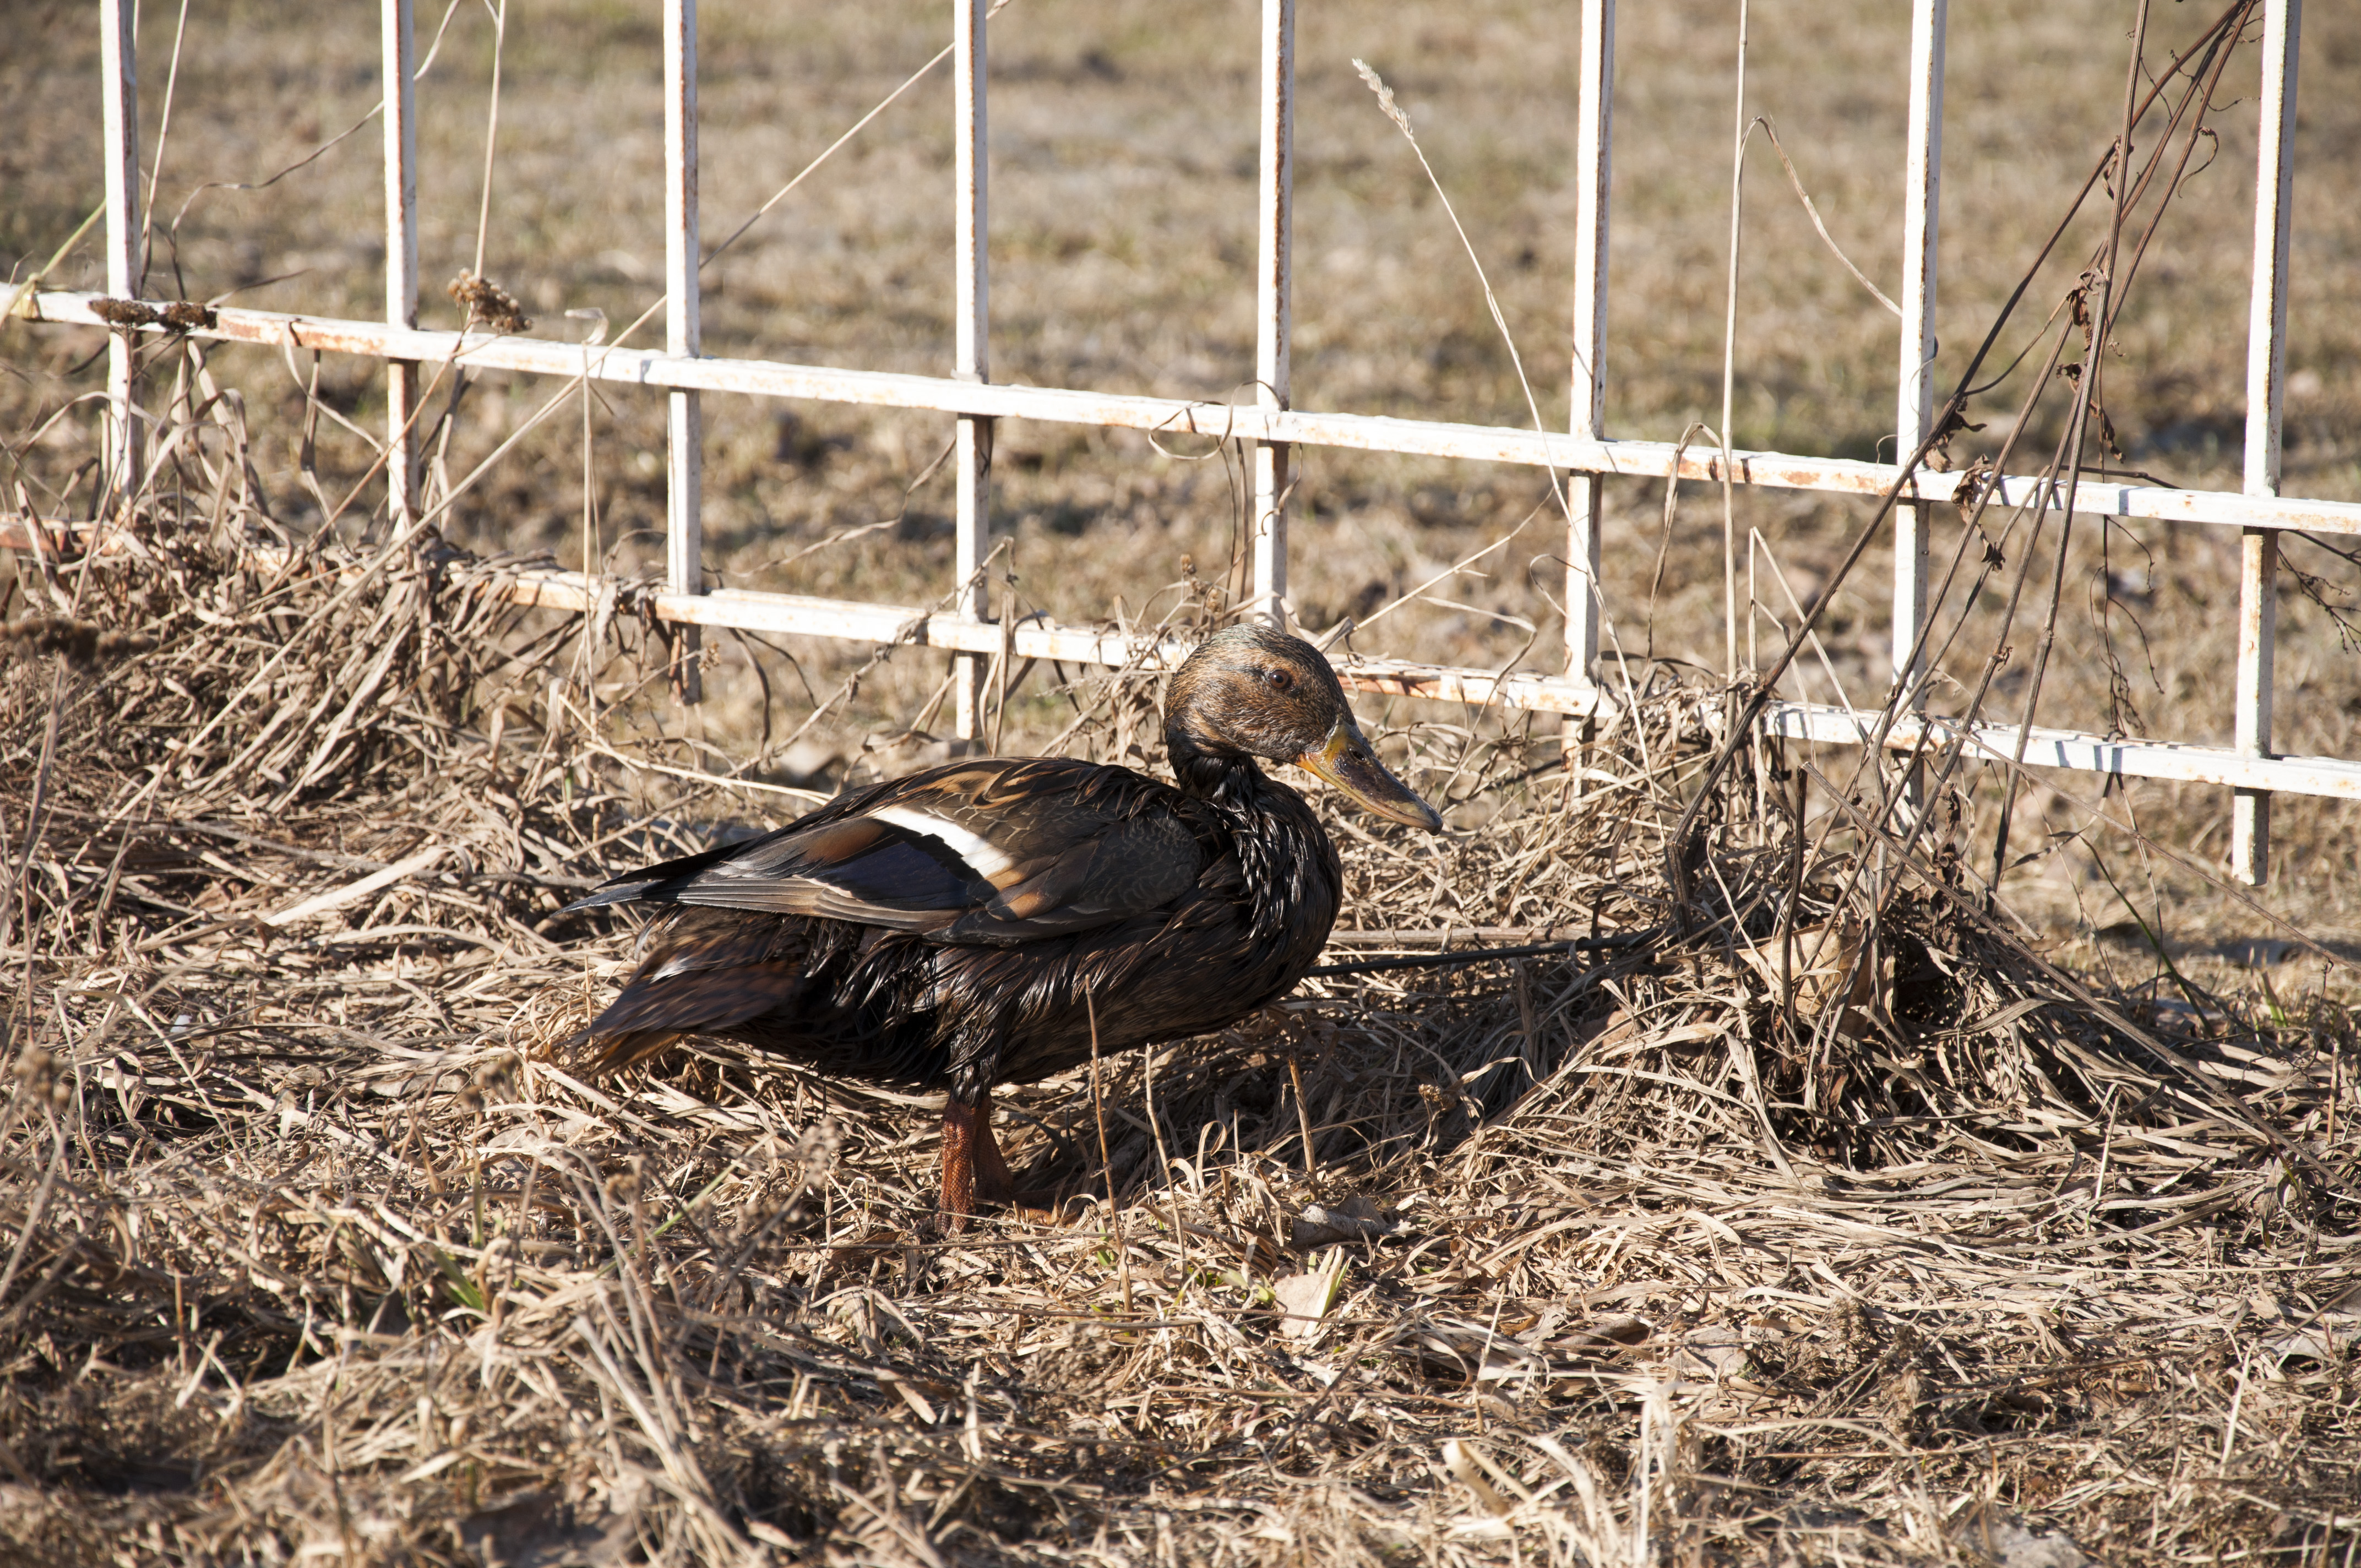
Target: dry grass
1848,1218
319,1250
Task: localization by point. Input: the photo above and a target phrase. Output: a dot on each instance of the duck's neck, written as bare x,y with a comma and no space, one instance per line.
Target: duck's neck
1230,780
1286,863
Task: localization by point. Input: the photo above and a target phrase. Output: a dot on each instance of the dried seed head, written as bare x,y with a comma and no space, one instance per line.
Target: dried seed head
1385,96
471,1100
35,1067
488,305
127,314
61,1092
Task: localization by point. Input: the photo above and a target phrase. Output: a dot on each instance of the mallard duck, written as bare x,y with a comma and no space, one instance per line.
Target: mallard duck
977,924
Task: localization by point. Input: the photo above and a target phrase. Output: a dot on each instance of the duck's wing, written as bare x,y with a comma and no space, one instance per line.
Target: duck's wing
992,851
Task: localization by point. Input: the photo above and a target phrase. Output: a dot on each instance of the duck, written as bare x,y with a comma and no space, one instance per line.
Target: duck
1002,920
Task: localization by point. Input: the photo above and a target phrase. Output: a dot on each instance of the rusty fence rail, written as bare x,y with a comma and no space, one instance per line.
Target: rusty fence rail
1585,453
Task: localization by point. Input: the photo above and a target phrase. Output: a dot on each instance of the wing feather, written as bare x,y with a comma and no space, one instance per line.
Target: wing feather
992,851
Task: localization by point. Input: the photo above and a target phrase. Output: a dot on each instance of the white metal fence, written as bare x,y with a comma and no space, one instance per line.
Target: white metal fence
1587,454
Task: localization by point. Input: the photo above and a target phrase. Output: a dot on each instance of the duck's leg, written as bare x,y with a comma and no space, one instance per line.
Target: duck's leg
974,1171
972,1168
993,1182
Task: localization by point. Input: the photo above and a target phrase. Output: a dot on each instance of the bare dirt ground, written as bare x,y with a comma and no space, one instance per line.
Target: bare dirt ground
1996,1229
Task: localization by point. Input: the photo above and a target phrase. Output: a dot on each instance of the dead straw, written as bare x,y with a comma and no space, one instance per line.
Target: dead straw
1835,1223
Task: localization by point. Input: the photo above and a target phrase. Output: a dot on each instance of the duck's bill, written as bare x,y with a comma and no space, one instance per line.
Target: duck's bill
1347,762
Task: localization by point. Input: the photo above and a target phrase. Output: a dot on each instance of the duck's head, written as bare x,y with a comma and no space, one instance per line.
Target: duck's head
1252,691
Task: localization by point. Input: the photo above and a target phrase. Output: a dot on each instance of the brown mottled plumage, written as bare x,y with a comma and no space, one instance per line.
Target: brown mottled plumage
961,927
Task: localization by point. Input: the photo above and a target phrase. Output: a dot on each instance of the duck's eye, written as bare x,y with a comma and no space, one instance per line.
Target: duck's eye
1279,680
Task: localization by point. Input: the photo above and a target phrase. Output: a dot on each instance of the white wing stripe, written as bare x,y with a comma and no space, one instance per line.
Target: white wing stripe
986,861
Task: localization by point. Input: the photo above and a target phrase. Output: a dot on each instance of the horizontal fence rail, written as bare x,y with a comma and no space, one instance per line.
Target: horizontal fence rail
2046,748
1176,416
1273,428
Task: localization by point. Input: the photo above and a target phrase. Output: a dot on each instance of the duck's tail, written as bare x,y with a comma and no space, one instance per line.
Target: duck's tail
653,1012
701,972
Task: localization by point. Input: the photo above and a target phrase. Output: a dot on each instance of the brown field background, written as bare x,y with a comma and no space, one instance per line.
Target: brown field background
1122,231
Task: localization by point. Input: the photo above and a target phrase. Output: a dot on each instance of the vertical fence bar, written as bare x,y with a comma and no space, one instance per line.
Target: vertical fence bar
1914,401
684,335
402,260
1593,159
1273,264
971,344
2250,812
117,21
